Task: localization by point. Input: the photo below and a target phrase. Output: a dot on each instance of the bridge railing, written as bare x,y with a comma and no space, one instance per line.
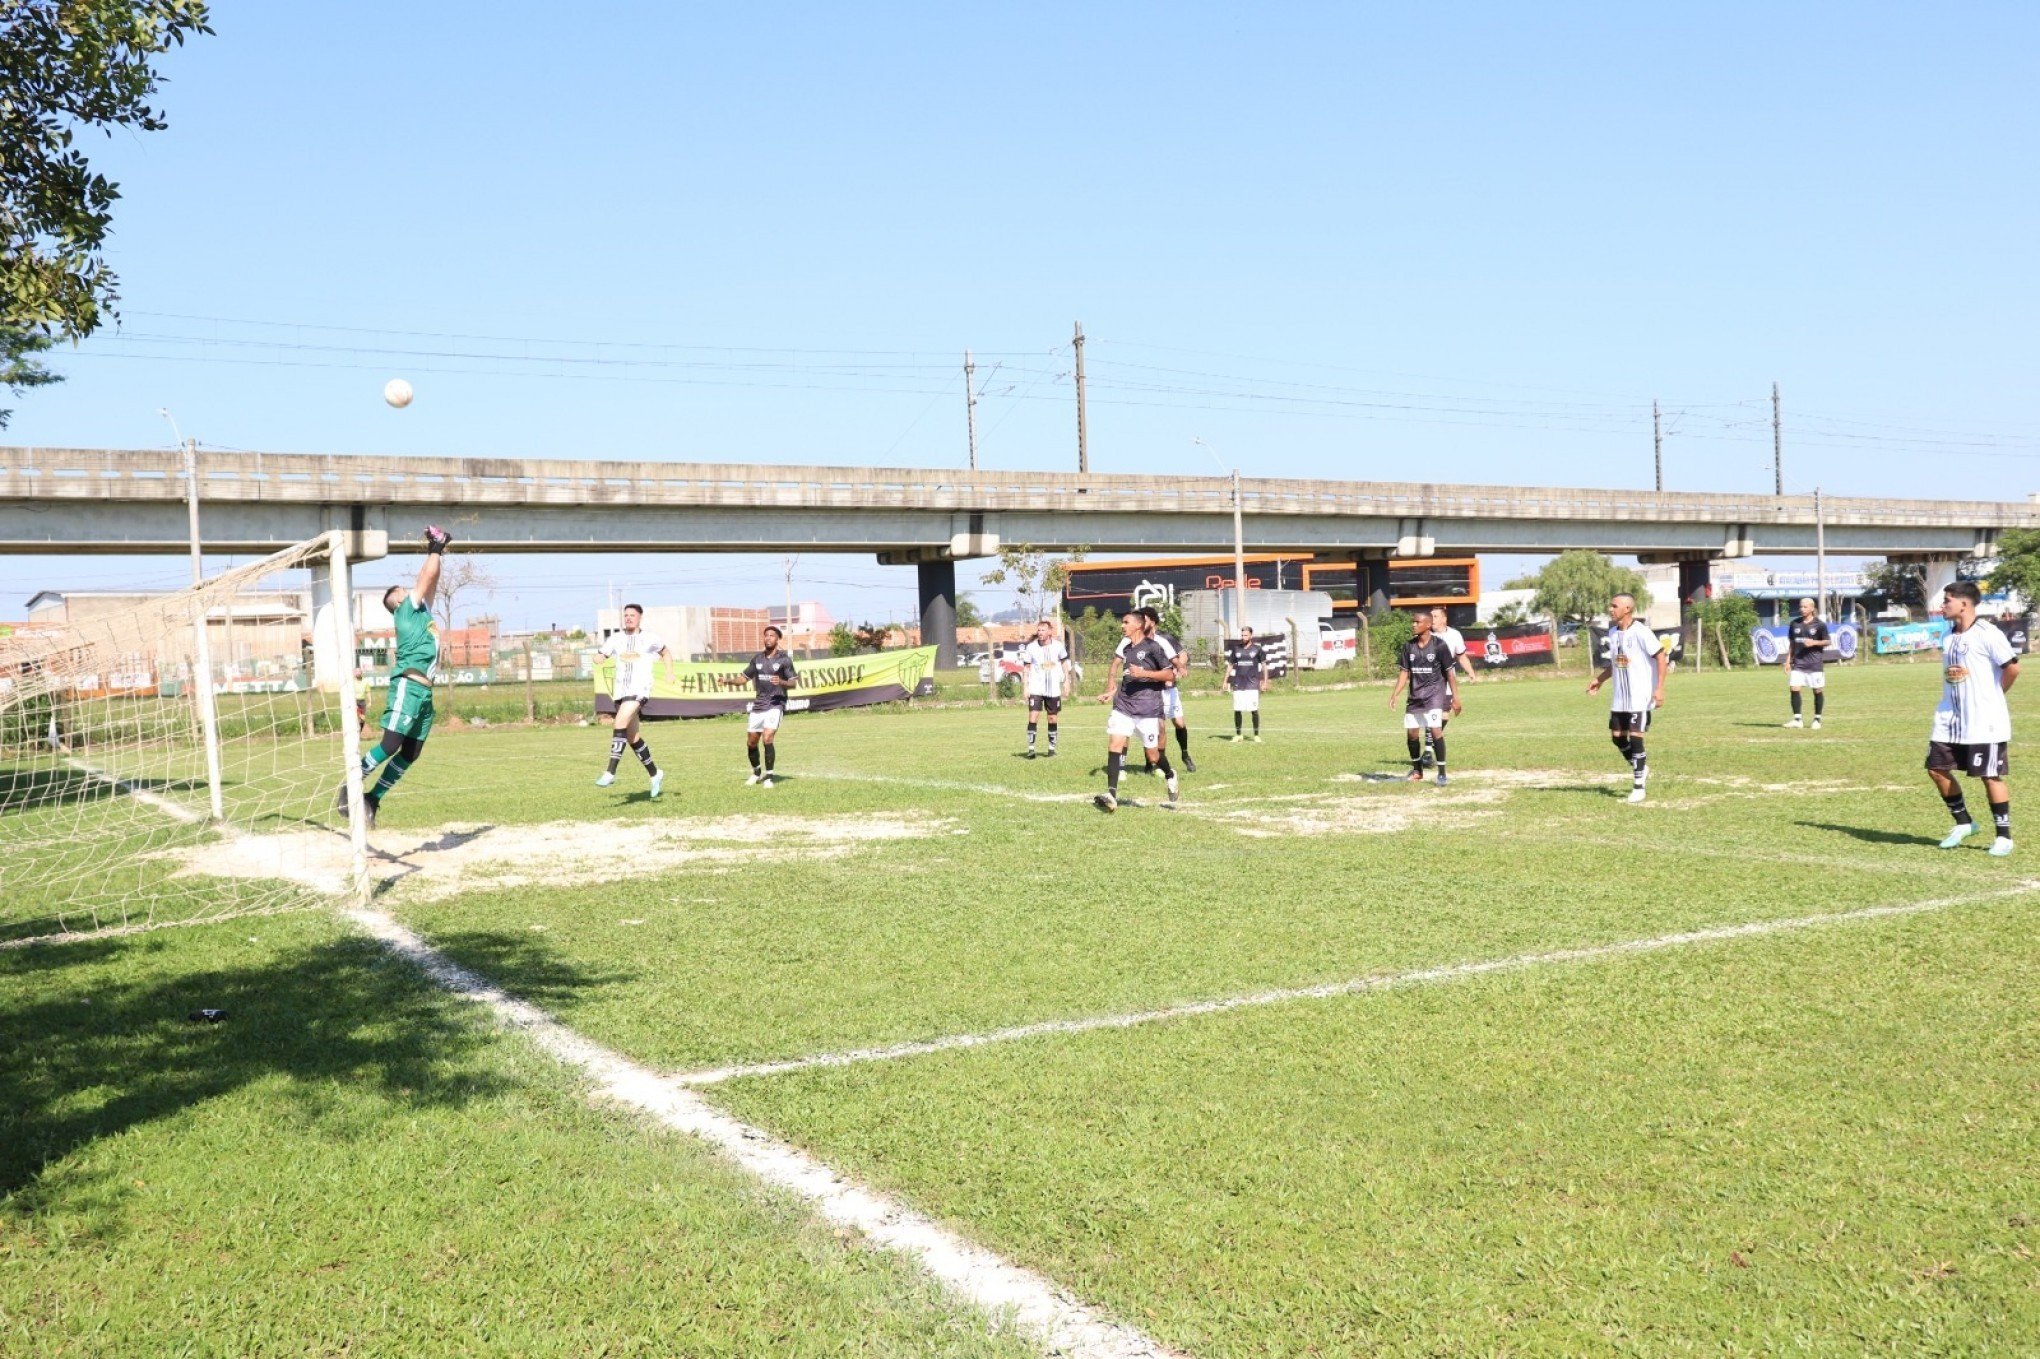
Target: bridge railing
43,474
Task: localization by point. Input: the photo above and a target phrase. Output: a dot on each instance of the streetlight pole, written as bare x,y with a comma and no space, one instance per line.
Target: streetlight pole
1239,538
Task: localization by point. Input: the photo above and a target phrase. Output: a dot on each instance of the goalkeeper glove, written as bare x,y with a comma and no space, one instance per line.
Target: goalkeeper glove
436,538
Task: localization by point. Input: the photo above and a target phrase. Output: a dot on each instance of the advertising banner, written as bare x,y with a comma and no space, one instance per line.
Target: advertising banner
713,688
1276,647
1770,643
1510,647
1674,640
1899,637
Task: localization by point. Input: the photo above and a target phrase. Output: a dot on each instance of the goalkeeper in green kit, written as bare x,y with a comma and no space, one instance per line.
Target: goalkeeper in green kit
407,717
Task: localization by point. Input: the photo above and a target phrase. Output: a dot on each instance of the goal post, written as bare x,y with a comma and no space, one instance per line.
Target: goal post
187,756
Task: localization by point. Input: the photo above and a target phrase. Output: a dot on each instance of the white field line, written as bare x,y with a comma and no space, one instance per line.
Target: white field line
943,785
1011,1295
181,815
138,793
1330,990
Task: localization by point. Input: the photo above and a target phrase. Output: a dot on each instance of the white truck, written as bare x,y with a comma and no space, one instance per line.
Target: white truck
1290,617
1335,646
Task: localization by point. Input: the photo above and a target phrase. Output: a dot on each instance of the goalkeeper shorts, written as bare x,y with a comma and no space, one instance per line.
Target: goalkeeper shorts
409,711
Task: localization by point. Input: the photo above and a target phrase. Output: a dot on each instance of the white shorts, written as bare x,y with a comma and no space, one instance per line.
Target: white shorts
1430,717
1172,704
1808,679
1148,729
1246,700
765,721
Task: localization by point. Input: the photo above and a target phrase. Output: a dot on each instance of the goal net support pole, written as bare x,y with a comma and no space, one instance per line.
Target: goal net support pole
201,644
341,614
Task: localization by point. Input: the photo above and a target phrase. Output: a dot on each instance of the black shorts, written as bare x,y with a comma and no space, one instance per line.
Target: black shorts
1983,760
1621,724
1044,703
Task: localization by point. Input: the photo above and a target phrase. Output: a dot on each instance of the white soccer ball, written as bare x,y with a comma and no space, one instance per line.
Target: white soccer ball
397,392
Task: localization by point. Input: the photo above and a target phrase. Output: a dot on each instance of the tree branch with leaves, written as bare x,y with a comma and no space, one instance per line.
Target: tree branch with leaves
1036,579
67,66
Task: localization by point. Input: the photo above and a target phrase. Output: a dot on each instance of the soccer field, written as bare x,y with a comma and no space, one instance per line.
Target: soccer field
1318,1062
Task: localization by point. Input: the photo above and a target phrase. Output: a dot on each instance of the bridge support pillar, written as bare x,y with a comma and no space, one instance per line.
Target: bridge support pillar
1696,578
1940,574
1370,582
1937,572
938,611
330,628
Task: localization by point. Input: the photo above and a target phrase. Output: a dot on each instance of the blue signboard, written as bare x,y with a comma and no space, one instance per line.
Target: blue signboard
1769,642
1897,637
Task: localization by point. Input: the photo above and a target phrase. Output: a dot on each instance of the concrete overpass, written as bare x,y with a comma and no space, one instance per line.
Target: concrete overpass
62,500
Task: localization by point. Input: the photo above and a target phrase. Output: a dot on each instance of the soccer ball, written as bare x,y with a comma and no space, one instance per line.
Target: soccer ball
397,392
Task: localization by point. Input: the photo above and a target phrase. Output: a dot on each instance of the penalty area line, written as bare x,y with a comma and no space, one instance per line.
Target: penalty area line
1010,1294
1330,990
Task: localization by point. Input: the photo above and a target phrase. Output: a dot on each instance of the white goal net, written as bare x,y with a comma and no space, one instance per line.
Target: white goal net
170,759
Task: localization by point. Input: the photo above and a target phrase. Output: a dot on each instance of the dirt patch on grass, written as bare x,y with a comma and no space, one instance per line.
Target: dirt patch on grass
1382,814
434,865
1553,779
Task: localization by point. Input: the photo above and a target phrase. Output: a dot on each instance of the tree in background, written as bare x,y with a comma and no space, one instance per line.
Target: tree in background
67,65
1172,619
1036,579
842,641
1578,585
1509,615
1729,619
2018,565
1092,640
968,615
19,369
1905,583
465,578
872,636
1386,633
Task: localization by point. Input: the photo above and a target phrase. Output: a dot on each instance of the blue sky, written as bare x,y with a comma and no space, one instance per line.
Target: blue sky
1465,243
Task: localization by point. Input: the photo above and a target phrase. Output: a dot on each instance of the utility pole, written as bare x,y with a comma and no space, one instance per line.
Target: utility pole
1777,446
789,591
1657,442
970,404
1083,434
1820,592
1239,556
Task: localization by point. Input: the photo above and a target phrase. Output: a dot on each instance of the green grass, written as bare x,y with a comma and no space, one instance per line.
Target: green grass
1045,909
353,1163
1818,1141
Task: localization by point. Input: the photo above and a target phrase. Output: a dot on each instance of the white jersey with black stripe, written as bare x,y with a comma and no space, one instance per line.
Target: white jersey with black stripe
1632,667
1973,710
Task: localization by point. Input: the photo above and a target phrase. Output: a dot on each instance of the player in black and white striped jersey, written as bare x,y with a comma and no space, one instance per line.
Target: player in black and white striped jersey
1636,663
633,649
1973,724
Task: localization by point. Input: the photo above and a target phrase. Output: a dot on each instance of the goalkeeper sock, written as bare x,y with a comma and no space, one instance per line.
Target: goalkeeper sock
769,748
752,751
644,757
615,751
396,769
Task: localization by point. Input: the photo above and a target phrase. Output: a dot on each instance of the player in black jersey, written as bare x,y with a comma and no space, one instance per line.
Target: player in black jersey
1142,669
770,674
1247,676
1425,668
1806,643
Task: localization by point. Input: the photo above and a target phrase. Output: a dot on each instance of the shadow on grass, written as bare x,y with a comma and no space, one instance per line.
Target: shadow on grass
92,1057
23,790
1871,835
